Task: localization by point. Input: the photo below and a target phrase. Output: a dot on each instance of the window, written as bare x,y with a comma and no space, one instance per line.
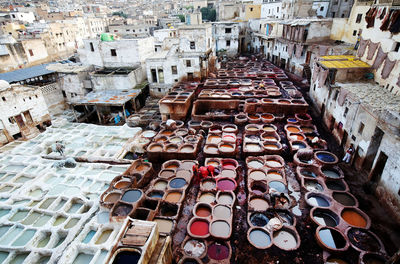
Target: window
113,52
188,63
160,75
397,47
277,9
11,120
336,96
346,110
174,70
192,45
321,9
361,128
31,52
154,75
91,47
354,32
228,43
228,30
4,99
190,76
115,30
359,17
251,9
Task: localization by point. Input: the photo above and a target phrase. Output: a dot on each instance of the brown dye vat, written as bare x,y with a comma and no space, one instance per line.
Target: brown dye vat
240,119
267,118
297,136
355,217
173,197
155,147
211,149
364,240
166,174
292,129
269,128
123,184
252,129
159,139
202,210
112,197
213,162
171,165
258,188
187,148
274,175
258,204
169,210
171,148
226,147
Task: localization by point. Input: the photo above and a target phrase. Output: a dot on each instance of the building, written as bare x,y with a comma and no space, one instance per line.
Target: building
22,110
271,9
27,17
140,31
226,37
193,19
360,112
227,10
340,8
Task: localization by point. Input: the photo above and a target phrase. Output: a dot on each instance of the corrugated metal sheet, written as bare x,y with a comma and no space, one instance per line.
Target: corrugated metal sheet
26,73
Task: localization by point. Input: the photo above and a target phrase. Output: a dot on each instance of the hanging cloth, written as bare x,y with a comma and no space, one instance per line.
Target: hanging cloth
342,96
362,47
398,81
395,22
370,16
299,49
371,49
290,49
315,73
323,74
383,13
386,21
387,68
380,57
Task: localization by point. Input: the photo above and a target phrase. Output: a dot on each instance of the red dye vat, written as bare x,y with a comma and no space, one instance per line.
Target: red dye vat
229,137
199,228
226,185
229,165
218,251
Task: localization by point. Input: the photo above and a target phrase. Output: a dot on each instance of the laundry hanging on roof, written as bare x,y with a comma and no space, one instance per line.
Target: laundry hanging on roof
387,68
299,50
290,49
382,13
380,57
398,81
342,96
371,49
323,50
395,22
323,74
315,72
370,16
386,21
362,47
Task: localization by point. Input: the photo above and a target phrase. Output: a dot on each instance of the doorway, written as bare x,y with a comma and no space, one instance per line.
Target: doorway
20,122
373,148
344,139
28,117
376,173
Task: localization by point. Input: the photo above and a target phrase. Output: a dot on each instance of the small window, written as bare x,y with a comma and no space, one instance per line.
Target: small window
354,32
174,70
342,15
251,9
336,96
91,47
31,52
361,128
115,30
321,9
4,99
11,120
190,76
346,110
359,17
397,47
277,9
228,43
188,63
113,52
228,30
192,45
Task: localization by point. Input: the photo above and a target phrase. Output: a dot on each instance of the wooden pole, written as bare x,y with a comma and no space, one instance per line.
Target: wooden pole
123,109
98,115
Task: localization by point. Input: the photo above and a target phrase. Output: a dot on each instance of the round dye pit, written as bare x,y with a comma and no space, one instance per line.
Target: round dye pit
286,217
274,175
298,145
334,260
171,148
212,149
336,185
213,139
126,257
255,164
208,184
226,185
259,204
222,212
160,185
325,217
226,147
220,229
122,210
131,196
354,218
331,238
285,239
273,163
371,258
259,238
257,175
344,198
228,174
268,128
316,200
177,183
166,174
199,228
203,210
207,197
363,240
112,197
229,165
293,129
194,248
156,147
259,219
326,157
313,186
183,174
225,198
173,197
217,251
258,188
253,147
331,173
277,185
156,195
308,173
123,184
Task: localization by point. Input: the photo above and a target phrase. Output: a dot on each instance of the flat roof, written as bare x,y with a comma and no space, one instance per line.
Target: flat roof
26,73
342,62
107,97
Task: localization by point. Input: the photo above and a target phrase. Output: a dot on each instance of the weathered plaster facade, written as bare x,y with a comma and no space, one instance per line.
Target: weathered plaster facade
226,36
